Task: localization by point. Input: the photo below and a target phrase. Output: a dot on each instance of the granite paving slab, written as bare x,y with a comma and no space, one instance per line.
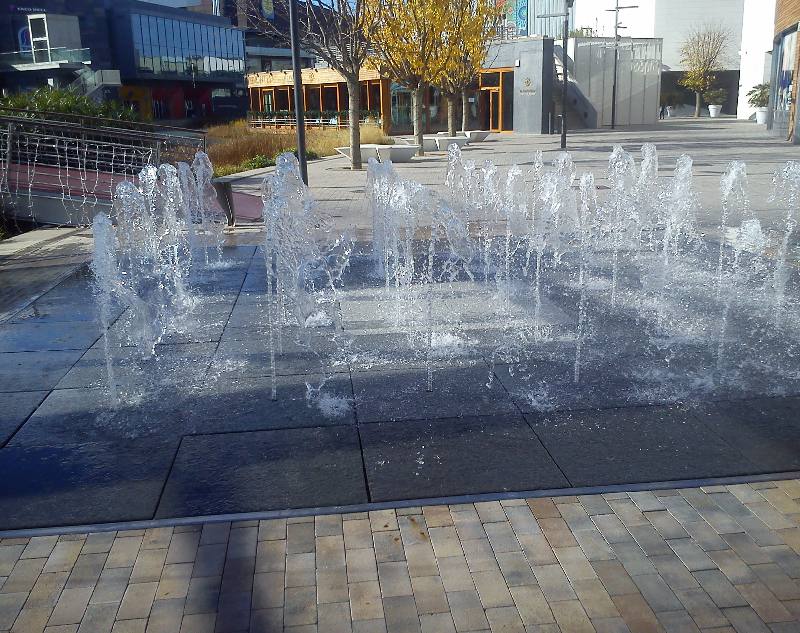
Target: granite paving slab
15,409
250,356
636,444
38,337
92,482
25,371
172,365
266,470
77,416
765,430
231,404
401,394
455,456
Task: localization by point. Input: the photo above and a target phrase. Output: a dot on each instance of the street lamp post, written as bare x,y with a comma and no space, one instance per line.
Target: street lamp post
564,37
617,27
299,106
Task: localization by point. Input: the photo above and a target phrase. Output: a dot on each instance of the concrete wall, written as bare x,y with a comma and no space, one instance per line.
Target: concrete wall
670,20
755,56
674,19
638,78
532,62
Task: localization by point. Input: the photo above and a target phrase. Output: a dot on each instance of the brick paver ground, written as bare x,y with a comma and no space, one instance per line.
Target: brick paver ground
720,558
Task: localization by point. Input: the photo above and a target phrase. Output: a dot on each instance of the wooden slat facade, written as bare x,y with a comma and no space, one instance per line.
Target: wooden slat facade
787,14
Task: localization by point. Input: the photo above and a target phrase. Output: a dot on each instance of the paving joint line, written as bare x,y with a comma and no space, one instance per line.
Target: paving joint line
405,503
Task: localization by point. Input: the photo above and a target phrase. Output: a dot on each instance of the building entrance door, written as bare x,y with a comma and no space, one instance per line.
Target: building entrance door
494,110
497,98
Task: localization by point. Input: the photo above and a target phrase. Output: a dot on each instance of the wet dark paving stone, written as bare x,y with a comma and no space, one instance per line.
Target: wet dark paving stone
251,357
37,337
96,482
175,365
268,470
245,404
15,409
636,444
765,430
401,394
471,455
79,416
25,371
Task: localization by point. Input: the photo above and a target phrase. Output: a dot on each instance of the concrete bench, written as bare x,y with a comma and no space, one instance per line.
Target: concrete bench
443,142
428,142
475,136
223,185
368,150
397,153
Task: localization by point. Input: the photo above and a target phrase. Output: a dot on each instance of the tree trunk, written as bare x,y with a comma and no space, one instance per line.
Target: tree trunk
354,106
697,104
416,105
464,111
451,115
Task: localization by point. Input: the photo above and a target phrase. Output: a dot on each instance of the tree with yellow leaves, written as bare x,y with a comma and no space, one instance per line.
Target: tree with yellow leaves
703,53
472,23
413,43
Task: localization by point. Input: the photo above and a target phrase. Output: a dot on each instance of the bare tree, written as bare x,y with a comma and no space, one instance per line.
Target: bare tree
703,53
335,31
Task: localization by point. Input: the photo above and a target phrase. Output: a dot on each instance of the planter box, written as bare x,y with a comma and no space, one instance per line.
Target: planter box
714,111
761,115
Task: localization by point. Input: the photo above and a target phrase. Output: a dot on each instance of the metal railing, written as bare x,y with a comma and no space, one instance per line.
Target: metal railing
47,56
80,164
268,120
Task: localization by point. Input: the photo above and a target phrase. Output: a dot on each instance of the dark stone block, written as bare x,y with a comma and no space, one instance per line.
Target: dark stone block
245,404
15,409
251,356
21,371
97,482
180,365
269,470
401,394
38,337
636,444
436,458
79,416
765,430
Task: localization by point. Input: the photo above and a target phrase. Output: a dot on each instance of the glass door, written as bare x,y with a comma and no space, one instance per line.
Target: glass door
494,110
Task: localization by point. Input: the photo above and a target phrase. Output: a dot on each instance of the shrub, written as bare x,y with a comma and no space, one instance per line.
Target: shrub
758,96
234,146
65,102
717,96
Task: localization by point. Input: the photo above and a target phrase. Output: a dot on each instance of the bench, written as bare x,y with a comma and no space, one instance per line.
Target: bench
475,136
223,185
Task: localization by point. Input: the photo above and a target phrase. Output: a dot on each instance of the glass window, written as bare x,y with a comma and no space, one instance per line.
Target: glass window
490,80
38,28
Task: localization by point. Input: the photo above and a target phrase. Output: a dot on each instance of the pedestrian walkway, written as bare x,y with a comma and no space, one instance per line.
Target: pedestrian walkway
720,558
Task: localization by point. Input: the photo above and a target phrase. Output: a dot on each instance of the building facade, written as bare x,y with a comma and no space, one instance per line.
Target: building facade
512,92
166,62
747,22
782,114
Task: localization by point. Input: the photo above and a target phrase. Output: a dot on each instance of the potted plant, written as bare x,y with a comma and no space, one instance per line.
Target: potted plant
758,98
715,98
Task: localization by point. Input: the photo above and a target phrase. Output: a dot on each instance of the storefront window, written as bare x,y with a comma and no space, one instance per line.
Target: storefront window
188,49
783,83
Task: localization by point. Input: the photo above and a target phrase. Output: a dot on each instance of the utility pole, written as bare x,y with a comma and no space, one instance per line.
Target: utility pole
617,27
299,106
564,38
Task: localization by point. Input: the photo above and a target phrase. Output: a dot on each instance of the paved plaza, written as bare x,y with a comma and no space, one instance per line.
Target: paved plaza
722,559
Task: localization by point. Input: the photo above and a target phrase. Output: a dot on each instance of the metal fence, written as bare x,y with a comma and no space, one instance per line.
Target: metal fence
75,162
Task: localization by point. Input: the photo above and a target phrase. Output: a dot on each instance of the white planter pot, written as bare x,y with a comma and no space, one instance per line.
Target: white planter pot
761,115
714,110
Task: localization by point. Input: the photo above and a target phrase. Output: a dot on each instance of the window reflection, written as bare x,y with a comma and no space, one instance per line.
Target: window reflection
188,49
